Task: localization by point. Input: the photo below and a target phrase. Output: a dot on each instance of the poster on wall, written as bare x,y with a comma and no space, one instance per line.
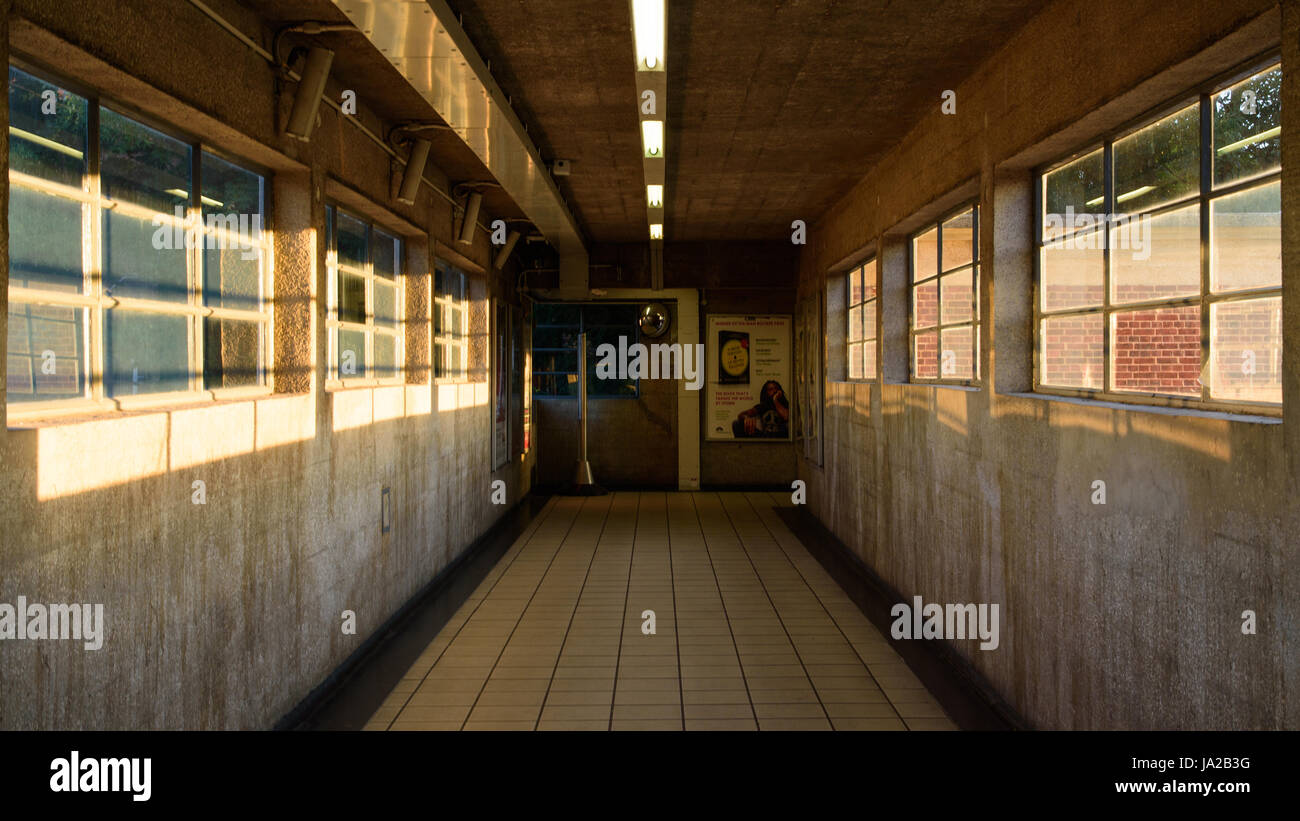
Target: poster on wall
748,369
500,390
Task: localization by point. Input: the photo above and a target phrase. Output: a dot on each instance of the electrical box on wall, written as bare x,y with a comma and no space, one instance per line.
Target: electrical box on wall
385,510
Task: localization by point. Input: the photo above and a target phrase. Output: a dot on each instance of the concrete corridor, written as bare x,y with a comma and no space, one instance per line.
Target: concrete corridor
750,632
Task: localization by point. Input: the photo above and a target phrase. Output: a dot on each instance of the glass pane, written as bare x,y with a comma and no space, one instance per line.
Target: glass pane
51,146
1248,128
1246,350
385,356
142,261
385,255
1157,351
352,298
455,321
44,241
869,280
869,320
551,313
385,304
1156,257
958,296
925,356
232,191
350,234
45,353
925,304
855,360
1073,351
233,278
1075,188
925,255
869,360
1246,239
142,166
1072,273
352,354
556,361
855,286
1160,163
957,359
958,236
855,324
555,338
145,353
232,353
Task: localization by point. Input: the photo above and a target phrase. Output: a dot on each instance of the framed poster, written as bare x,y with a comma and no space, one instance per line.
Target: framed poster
500,391
748,374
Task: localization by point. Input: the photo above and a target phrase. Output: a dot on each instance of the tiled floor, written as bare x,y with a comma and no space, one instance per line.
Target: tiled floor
749,631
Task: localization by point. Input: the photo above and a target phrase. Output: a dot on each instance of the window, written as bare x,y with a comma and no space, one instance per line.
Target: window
365,299
945,311
450,323
1160,255
862,321
138,263
555,347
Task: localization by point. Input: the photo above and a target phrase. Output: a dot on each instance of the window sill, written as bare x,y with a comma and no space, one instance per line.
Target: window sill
946,385
360,384
48,417
1110,404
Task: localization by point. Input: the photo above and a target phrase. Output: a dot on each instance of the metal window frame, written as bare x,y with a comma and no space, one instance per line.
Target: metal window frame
974,323
1202,95
92,300
370,328
860,271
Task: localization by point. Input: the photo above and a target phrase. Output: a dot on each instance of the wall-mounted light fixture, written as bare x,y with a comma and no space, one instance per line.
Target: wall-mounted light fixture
504,253
414,171
311,88
472,205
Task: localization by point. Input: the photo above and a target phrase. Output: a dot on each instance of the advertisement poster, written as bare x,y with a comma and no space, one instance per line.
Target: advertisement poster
500,408
748,365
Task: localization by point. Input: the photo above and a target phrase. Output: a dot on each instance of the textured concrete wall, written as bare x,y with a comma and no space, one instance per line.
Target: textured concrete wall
1126,615
226,614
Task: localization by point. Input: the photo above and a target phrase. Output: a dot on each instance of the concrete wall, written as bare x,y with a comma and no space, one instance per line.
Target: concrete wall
226,614
1126,615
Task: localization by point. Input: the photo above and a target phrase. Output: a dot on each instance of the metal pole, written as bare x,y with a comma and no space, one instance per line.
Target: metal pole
582,471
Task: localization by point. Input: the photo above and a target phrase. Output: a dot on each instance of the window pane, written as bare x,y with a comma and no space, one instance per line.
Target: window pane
232,353
925,356
925,255
1072,273
1074,188
1248,128
385,356
1246,239
855,361
45,353
142,261
925,304
1157,257
1157,351
556,361
957,359
385,260
233,192
385,304
957,297
142,166
145,353
1160,163
1073,351
855,286
855,324
1246,350
869,320
352,298
233,278
51,146
869,280
44,241
350,234
958,236
352,354
555,337
869,360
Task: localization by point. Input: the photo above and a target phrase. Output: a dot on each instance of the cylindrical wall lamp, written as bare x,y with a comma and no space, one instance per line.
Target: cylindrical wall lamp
504,253
472,205
414,172
311,88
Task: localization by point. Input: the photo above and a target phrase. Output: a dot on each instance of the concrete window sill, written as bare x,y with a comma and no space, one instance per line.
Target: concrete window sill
1248,418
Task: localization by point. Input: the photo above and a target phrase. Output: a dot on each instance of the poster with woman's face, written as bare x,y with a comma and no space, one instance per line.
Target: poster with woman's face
748,374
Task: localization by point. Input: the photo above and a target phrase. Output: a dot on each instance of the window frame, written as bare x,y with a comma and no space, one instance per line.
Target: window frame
334,326
976,321
442,339
95,304
859,270
582,327
1202,95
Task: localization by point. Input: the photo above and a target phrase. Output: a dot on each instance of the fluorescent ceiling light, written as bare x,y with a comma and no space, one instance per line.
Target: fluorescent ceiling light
652,137
45,143
1136,192
185,195
655,195
648,28
656,230
1260,137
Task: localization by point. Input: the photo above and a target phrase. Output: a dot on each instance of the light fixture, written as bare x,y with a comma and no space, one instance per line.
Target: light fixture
1136,192
414,172
311,88
472,205
504,253
655,195
648,29
656,230
1256,138
652,137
